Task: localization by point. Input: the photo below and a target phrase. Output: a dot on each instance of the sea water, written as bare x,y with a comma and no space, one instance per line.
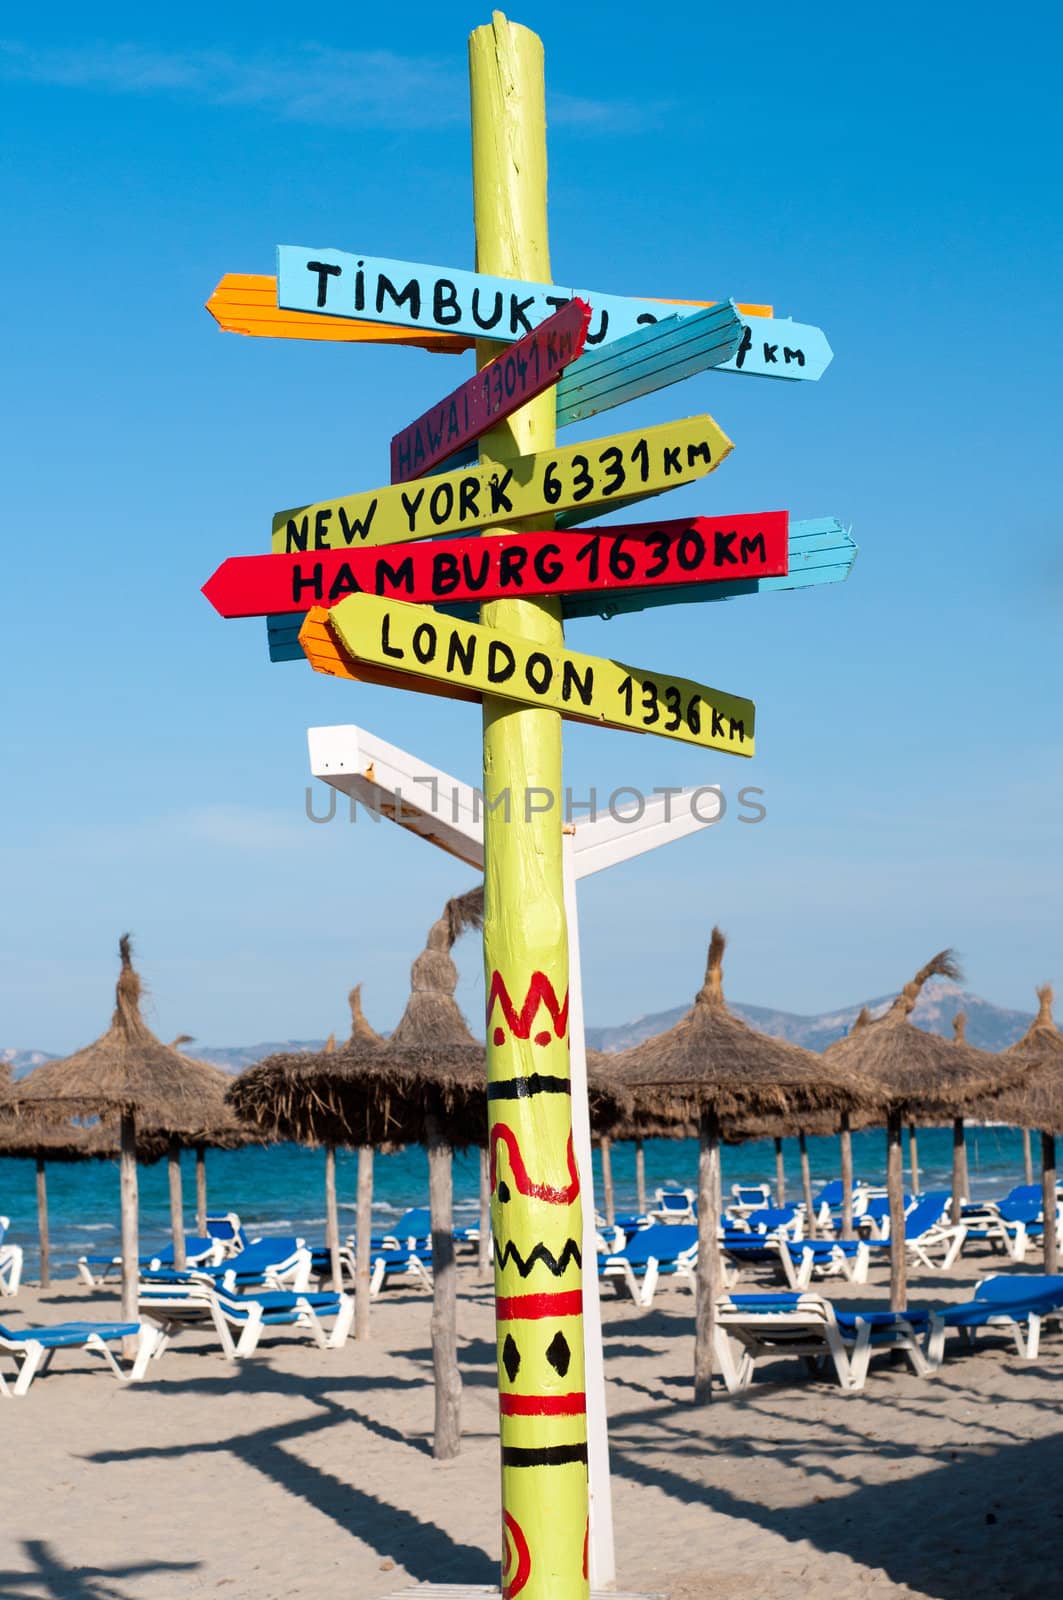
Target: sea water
281,1188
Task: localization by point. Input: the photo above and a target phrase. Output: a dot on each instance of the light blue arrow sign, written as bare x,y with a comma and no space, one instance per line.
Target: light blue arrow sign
339,284
648,359
820,550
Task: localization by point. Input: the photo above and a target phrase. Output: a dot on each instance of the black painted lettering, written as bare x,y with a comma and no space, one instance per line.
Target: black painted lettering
486,322
322,518
445,308
403,454
441,504
745,346
461,652
789,355
394,580
738,729
570,679
296,534
512,562
539,671
500,662
424,642
699,452
769,354
359,288
324,272
671,460
500,501
410,506
646,319
468,501
753,547
718,729
723,549
546,563
313,582
356,527
411,295
476,580
386,646
518,322
600,332
343,583
446,573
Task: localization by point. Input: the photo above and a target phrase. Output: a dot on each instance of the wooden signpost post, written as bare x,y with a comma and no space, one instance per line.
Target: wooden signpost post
372,619
522,371
628,467
478,305
602,561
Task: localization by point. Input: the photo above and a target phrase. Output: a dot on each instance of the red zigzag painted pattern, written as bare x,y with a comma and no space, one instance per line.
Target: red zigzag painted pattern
540,992
535,1191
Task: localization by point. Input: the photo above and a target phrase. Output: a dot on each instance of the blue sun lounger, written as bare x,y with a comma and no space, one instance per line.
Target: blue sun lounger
1009,1302
282,1262
98,1270
33,1348
772,1327
665,1249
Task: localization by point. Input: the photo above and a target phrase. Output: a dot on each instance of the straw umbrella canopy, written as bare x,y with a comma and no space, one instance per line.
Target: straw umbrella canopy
426,1084
919,1075
711,1073
129,1077
1034,1099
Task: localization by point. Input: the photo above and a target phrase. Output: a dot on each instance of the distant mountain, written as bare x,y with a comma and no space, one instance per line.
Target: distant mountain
989,1027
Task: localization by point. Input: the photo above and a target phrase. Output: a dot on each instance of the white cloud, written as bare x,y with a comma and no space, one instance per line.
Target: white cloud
314,84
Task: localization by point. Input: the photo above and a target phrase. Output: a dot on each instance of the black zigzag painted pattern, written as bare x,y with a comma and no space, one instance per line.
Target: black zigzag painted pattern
557,1265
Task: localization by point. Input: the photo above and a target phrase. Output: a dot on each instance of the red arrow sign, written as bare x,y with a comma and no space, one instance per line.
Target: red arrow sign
495,566
522,371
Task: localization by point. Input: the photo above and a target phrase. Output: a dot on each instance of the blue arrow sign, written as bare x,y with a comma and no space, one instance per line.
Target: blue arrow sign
445,300
820,551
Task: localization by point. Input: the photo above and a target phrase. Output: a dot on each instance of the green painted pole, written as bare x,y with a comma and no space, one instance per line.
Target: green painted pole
535,1204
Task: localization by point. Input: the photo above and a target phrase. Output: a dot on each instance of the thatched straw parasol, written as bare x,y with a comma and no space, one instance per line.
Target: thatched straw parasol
1035,1099
130,1077
425,1085
710,1073
920,1076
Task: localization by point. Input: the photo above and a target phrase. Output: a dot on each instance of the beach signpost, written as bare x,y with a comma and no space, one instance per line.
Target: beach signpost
381,618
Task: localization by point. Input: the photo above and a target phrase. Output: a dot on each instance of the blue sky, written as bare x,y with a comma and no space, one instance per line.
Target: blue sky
887,176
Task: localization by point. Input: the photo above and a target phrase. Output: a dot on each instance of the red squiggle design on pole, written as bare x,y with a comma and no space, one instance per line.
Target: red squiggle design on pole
516,1558
535,1191
540,992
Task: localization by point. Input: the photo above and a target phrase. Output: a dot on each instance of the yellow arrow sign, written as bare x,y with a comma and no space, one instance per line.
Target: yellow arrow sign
388,641
622,469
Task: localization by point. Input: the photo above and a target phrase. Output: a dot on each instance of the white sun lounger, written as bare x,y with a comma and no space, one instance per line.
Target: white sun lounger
10,1262
770,1327
198,1304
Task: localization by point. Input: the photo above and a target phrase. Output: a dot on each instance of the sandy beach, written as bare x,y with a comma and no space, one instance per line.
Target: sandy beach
303,1472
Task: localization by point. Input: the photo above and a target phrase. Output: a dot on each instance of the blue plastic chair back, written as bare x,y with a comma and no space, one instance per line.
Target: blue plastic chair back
1017,1288
664,1241
832,1194
1024,1191
257,1257
1027,1209
673,1200
769,1217
416,1224
925,1215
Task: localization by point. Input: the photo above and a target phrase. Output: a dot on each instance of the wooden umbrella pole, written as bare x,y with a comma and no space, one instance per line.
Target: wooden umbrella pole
536,1213
895,1191
806,1183
332,1218
483,1252
605,1150
640,1177
447,1437
847,1176
127,1168
1049,1202
42,1223
959,1168
201,1191
913,1156
780,1174
363,1229
177,1219
1027,1156
707,1284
